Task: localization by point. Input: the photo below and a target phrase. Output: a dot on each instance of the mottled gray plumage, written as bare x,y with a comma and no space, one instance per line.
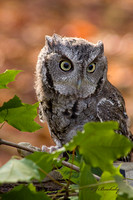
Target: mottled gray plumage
72,87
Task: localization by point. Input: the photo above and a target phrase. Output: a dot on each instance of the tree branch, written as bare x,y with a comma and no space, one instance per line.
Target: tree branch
65,163
71,166
12,144
74,167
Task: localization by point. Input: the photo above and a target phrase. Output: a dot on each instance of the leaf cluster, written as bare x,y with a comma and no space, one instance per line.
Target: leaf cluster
14,112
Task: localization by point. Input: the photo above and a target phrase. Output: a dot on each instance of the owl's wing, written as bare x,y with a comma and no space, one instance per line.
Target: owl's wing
109,109
113,109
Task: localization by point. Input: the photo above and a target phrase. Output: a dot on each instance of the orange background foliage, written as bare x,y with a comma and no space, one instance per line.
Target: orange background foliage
23,26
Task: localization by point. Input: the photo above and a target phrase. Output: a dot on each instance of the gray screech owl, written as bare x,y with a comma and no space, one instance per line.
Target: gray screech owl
73,89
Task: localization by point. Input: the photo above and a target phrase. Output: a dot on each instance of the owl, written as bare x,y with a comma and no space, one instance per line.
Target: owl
73,89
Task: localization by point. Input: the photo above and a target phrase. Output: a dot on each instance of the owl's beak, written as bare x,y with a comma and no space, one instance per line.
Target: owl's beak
79,84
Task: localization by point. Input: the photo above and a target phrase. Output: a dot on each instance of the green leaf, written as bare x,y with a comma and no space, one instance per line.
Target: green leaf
22,192
86,178
19,115
7,77
109,189
123,197
125,190
96,170
65,171
100,145
44,161
19,170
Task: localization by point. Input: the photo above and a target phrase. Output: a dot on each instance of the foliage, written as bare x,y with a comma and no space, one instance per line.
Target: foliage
92,153
7,77
90,144
14,112
19,170
19,115
22,192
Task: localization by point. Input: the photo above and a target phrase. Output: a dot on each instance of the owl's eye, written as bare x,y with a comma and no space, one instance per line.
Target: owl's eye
65,65
91,68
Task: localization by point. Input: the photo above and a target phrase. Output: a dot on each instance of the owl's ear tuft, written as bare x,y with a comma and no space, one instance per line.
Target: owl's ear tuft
52,41
100,46
48,41
56,36
56,39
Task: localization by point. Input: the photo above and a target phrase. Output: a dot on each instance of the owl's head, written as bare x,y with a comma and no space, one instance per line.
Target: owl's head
72,66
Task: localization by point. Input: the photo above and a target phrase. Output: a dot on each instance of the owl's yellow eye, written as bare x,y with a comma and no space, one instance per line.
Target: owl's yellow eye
65,65
91,68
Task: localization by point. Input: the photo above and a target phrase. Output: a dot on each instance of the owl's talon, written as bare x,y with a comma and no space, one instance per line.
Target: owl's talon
49,149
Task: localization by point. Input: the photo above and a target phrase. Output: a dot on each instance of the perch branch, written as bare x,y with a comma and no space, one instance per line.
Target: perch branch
12,144
65,163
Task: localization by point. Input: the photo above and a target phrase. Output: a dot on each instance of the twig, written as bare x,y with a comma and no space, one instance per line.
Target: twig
2,124
62,194
12,144
59,193
68,183
55,181
96,184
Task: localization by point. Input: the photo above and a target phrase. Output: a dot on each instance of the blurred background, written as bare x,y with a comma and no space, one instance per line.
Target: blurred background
23,26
